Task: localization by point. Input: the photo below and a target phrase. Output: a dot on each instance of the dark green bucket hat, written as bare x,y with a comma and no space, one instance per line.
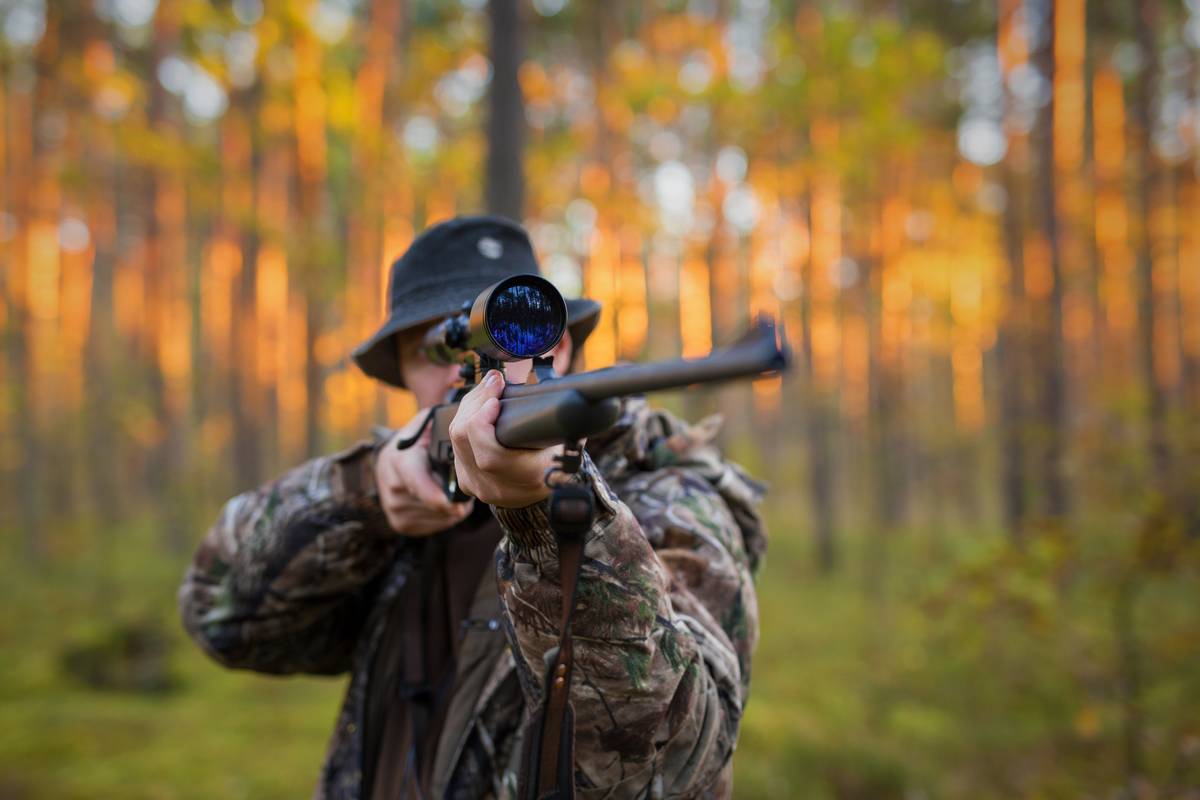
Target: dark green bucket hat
446,266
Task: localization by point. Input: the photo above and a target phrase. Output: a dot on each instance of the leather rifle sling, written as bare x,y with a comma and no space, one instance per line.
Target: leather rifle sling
572,510
556,768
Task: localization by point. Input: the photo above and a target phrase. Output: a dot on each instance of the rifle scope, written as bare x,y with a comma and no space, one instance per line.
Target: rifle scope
520,317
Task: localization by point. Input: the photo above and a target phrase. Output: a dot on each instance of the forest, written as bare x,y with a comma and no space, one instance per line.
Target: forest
979,223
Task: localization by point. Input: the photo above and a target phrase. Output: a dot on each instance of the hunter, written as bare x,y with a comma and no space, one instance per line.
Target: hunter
441,612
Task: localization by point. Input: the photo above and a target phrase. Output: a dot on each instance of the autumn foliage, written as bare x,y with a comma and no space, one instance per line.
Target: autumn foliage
977,221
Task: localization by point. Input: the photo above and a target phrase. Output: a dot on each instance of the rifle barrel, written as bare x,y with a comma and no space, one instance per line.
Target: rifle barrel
762,350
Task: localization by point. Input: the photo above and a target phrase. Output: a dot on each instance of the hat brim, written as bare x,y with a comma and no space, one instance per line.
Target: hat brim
379,356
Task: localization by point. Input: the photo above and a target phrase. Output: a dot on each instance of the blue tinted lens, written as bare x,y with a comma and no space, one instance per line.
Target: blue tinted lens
524,321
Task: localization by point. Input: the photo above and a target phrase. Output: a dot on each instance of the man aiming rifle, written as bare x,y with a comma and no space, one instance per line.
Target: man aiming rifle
499,643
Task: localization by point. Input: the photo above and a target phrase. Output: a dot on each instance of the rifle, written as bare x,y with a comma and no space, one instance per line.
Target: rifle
523,317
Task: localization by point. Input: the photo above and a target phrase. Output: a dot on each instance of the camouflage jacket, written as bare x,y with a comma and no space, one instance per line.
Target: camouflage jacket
301,575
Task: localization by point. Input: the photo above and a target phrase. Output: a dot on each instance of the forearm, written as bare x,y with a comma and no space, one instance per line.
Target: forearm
660,689
281,581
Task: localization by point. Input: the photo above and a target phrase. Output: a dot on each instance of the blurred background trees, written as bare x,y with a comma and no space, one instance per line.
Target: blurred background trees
978,221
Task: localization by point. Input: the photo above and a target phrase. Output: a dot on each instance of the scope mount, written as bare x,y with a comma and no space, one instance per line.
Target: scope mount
543,369
487,362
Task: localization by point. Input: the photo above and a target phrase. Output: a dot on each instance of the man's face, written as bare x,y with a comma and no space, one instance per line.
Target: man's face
428,381
431,382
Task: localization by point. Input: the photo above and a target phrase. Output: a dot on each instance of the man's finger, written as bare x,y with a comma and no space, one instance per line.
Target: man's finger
489,411
422,485
491,386
481,432
390,479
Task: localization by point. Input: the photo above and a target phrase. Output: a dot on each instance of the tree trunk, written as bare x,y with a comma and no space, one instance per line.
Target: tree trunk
884,383
878,439
819,422
26,169
1053,401
165,461
154,284
240,222
1010,344
1187,272
505,188
1145,19
1187,278
1092,187
103,443
314,376
244,397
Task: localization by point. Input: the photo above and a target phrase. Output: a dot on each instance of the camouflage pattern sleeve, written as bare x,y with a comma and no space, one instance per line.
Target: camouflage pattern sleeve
282,581
664,626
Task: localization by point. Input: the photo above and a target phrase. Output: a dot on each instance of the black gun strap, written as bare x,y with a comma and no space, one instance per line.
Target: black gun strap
548,753
556,759
548,765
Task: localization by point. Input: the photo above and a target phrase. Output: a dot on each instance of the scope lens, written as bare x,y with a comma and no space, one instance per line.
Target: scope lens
527,317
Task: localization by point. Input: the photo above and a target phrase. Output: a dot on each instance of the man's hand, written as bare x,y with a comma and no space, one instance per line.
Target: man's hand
501,476
412,500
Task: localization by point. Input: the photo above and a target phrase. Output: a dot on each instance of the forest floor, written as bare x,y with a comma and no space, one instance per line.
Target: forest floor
929,666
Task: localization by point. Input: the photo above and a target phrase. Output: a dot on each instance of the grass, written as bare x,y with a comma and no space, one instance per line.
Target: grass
210,733
959,669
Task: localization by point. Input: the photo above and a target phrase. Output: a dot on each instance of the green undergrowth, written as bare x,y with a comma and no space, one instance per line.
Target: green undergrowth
934,666
926,666
182,727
